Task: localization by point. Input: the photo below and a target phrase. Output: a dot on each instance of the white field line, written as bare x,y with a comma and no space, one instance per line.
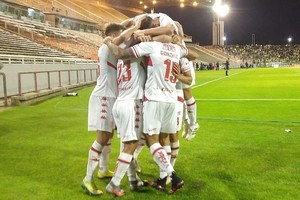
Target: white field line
246,120
196,86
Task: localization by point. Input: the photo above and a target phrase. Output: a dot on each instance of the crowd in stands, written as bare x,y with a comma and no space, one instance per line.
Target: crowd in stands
258,55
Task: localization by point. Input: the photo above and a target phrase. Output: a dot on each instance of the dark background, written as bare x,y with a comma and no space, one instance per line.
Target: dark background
272,21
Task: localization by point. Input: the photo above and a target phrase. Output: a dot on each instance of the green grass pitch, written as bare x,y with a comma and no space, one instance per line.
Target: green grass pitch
241,151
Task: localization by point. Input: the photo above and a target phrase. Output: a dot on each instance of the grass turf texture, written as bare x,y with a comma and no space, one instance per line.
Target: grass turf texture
240,152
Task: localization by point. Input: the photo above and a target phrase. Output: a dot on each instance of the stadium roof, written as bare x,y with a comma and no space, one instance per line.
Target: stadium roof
139,4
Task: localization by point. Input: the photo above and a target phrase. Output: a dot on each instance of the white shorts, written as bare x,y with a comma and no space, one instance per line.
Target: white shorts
192,70
100,114
159,117
179,108
129,119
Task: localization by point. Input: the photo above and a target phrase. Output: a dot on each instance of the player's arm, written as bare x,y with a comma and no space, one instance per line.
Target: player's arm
125,35
192,54
117,51
167,29
183,77
162,38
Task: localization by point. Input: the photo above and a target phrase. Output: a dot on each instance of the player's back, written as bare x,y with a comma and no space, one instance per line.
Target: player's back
131,78
107,74
160,84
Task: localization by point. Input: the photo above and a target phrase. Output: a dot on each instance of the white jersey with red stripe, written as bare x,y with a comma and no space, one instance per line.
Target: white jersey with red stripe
160,84
131,78
107,74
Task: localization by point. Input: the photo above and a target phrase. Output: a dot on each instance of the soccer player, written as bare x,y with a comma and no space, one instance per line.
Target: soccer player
159,25
127,112
191,125
159,101
101,101
227,67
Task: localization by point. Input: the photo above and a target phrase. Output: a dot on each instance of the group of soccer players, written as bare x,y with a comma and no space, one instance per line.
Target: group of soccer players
142,72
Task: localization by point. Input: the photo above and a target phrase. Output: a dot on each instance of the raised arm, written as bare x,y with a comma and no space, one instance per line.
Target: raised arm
125,35
117,51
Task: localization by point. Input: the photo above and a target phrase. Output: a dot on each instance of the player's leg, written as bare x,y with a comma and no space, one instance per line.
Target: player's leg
103,126
103,171
122,165
168,128
191,112
125,116
93,160
138,150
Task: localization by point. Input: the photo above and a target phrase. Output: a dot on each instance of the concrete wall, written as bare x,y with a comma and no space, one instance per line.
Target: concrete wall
27,81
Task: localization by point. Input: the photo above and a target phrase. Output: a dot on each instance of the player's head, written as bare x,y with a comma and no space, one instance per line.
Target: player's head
155,22
114,30
146,23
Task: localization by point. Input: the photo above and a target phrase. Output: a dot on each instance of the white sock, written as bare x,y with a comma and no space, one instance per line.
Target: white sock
192,110
174,152
104,158
161,158
131,173
122,165
93,160
162,172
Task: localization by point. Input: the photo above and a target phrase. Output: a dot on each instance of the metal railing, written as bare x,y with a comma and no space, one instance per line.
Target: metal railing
58,78
4,88
16,59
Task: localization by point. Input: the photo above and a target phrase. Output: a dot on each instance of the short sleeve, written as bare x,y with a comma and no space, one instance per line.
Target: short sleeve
142,49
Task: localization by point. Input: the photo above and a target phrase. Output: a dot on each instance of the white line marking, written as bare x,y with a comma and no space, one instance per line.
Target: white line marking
215,80
247,99
247,120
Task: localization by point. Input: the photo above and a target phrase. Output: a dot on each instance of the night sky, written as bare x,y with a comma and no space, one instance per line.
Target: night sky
272,21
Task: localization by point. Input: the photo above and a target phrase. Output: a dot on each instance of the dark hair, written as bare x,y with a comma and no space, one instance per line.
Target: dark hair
113,27
146,23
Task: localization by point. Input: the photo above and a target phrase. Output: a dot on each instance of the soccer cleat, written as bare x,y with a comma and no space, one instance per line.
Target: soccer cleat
135,185
177,183
112,188
90,187
137,166
192,131
185,129
107,174
161,183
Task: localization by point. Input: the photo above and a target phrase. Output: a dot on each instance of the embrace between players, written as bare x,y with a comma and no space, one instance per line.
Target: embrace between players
143,68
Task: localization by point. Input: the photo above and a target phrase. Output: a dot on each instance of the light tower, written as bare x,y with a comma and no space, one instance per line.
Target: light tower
220,10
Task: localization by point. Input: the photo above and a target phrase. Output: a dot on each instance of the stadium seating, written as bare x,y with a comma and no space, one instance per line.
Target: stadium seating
13,44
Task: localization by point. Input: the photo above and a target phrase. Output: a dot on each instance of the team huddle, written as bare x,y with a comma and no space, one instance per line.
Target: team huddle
143,89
